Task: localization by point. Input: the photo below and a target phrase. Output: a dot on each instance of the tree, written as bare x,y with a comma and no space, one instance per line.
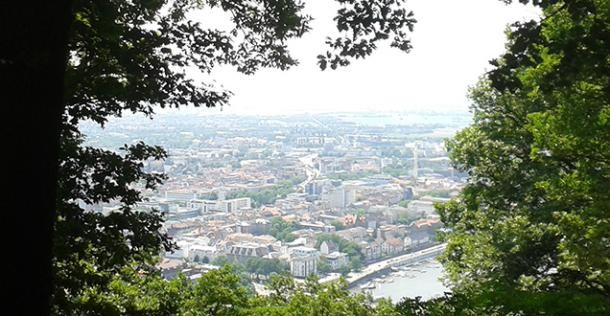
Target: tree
131,294
448,304
385,307
338,225
130,57
218,292
312,298
265,196
281,229
221,261
530,229
281,287
355,263
33,54
262,266
323,266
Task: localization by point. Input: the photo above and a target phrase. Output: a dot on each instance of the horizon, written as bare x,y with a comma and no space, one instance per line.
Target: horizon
211,112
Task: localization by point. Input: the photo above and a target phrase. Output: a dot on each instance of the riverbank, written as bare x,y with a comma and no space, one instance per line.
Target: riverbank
377,268
381,270
417,279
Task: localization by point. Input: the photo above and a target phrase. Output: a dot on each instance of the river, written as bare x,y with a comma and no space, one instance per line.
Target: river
419,279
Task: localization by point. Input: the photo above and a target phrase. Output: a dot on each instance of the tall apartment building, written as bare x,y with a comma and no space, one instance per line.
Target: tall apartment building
339,197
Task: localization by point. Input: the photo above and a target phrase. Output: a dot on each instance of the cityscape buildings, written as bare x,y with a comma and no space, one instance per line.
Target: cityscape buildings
291,194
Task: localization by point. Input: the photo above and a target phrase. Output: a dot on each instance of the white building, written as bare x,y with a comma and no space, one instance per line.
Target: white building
226,206
248,249
327,247
337,260
339,197
181,253
303,261
204,206
202,251
233,205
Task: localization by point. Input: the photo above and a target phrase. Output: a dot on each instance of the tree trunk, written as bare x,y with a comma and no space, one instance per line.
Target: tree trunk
33,54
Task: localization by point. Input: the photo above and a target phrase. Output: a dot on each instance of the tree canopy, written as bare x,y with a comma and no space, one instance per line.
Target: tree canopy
265,196
530,229
282,230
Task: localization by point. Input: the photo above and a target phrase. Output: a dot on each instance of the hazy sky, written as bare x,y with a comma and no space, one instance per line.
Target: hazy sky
453,42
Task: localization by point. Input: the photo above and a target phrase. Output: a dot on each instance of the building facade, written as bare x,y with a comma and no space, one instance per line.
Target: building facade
226,206
303,261
337,260
229,206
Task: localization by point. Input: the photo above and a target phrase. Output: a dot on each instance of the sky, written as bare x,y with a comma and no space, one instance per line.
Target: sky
452,44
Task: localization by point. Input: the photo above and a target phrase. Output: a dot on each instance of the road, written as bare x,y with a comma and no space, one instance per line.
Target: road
395,261
310,170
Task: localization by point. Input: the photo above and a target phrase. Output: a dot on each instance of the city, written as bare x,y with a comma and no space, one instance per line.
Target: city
310,194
